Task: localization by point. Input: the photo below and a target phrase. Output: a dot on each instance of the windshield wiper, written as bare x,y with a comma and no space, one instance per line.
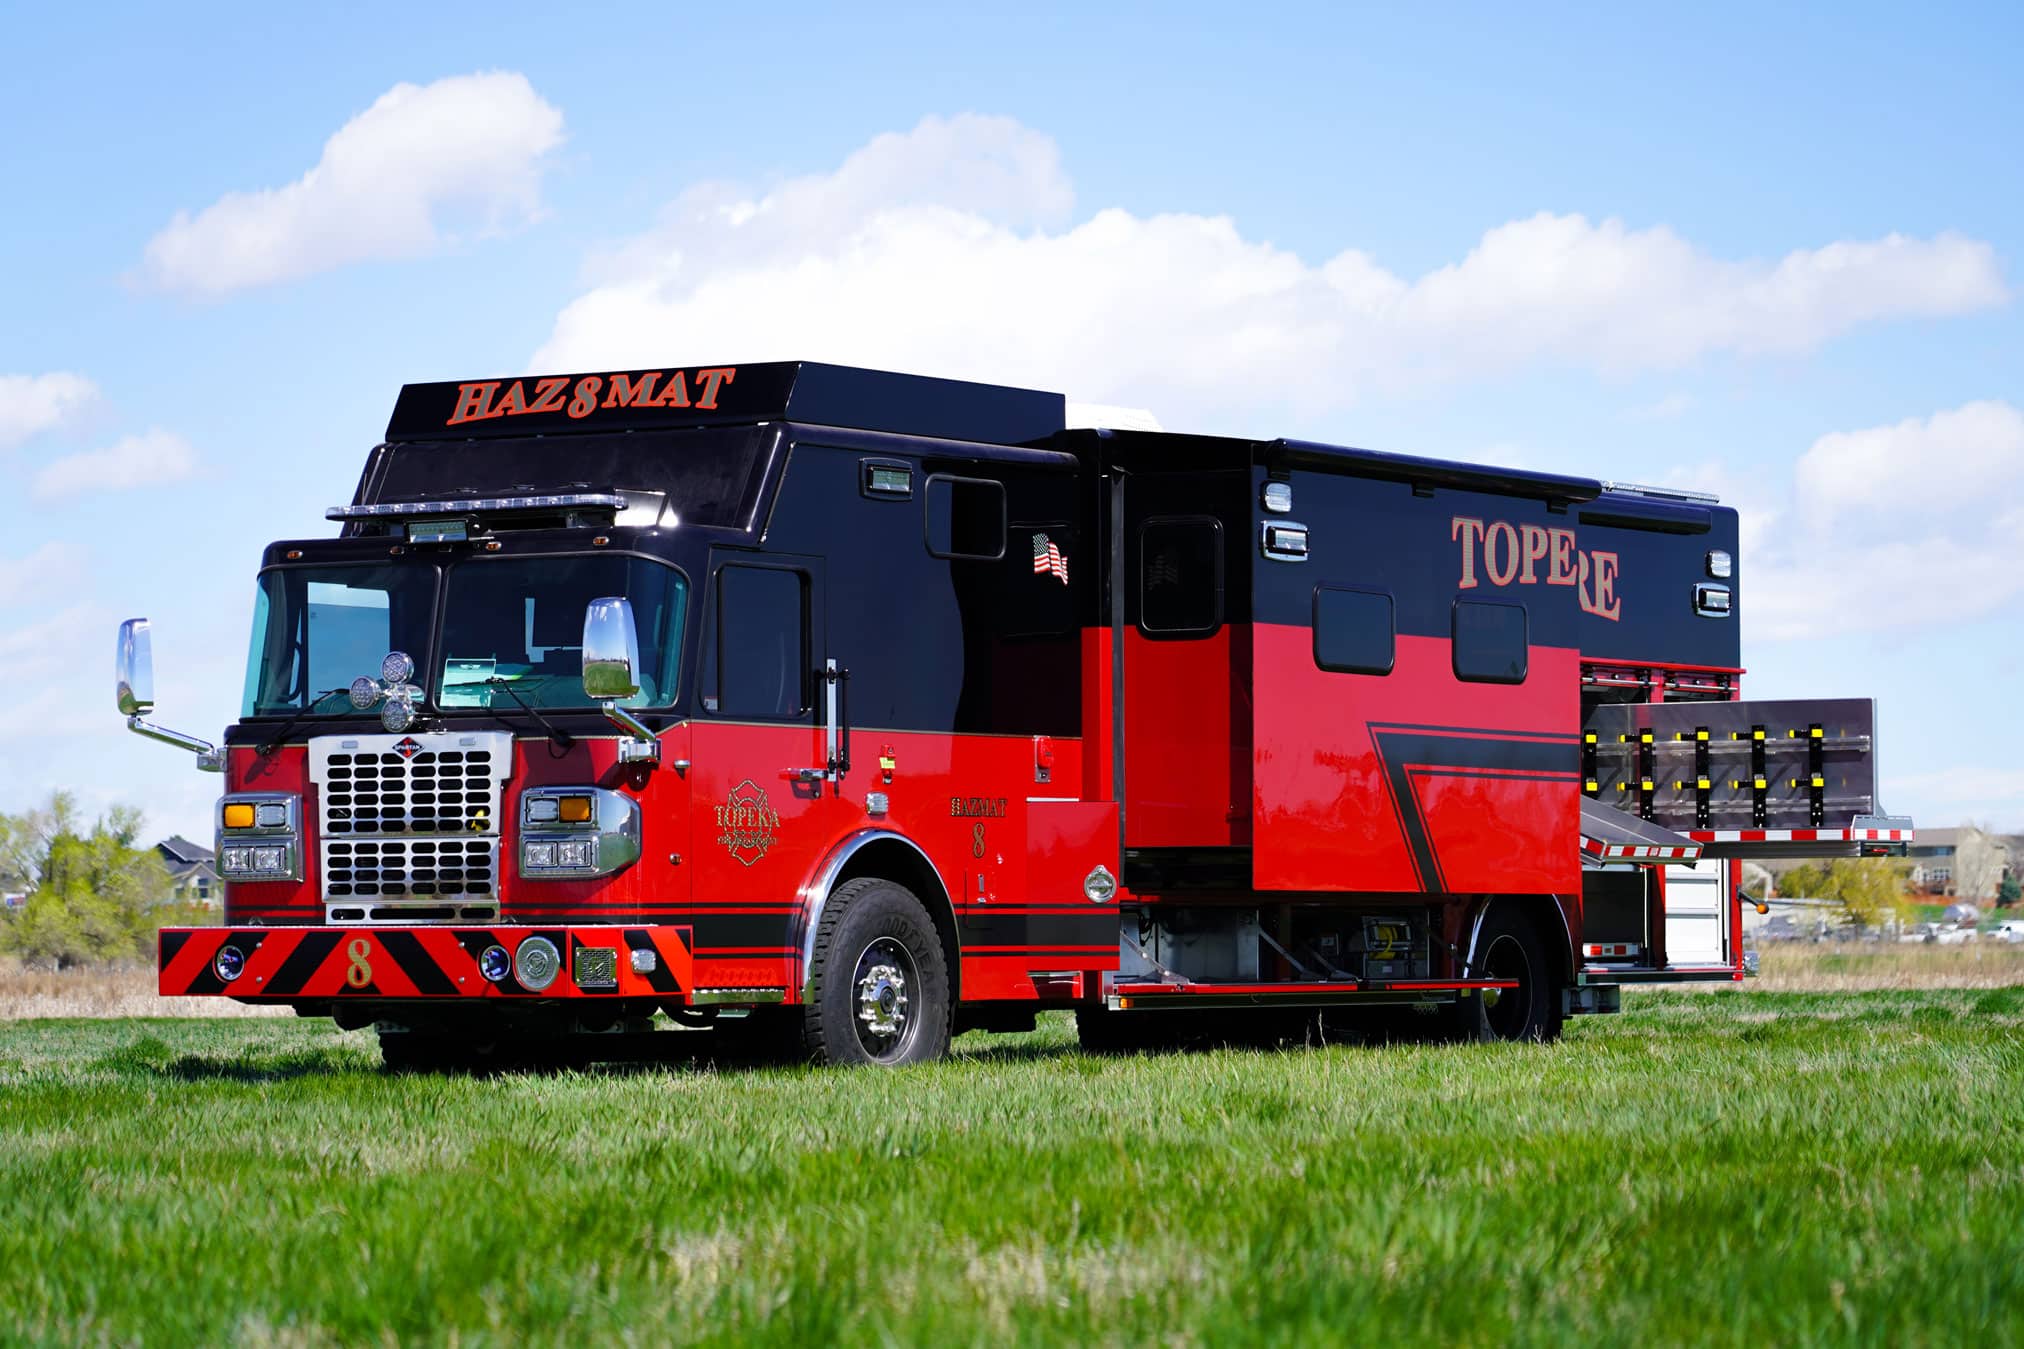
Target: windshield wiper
308,711
557,737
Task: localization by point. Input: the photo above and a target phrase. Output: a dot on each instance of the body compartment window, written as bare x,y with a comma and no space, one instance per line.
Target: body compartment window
1355,631
966,517
1490,642
1181,576
762,642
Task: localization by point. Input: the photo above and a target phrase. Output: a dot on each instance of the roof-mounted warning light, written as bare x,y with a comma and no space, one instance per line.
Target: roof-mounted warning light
477,506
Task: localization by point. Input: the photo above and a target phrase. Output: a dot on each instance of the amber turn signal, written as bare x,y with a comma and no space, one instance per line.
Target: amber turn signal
239,815
575,810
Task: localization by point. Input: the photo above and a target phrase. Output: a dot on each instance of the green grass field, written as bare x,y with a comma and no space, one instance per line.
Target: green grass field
1776,1168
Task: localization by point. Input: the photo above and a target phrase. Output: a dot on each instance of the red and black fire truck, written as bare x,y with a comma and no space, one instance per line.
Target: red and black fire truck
853,709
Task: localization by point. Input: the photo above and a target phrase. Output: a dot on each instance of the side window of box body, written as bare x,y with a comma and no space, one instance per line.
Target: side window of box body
966,517
1355,630
1180,577
1491,642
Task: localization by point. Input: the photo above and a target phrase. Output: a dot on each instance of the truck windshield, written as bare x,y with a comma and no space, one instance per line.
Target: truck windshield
514,626
315,629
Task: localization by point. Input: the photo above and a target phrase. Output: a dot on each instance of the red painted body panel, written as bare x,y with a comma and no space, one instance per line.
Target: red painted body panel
1332,751
1187,729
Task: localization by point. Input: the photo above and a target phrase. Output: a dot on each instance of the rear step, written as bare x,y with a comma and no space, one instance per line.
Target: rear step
1793,778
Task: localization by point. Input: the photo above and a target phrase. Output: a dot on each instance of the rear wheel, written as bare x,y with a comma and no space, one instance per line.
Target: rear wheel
879,978
1508,948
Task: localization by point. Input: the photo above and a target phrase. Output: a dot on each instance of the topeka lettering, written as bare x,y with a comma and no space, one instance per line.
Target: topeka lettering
1506,554
482,401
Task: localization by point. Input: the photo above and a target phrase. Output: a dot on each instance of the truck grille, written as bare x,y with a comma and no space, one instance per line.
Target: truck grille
408,825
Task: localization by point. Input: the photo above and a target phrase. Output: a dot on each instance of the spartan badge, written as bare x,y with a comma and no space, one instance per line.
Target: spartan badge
746,825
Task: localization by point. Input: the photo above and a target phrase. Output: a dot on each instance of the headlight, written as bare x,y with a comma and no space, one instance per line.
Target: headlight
571,832
260,837
259,861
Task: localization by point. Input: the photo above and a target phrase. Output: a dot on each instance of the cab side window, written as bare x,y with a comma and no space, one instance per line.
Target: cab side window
763,665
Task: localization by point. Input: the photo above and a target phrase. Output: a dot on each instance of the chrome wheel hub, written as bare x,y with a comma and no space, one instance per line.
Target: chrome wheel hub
882,1000
885,981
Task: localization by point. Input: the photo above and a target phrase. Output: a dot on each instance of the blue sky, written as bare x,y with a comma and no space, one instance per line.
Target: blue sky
1771,253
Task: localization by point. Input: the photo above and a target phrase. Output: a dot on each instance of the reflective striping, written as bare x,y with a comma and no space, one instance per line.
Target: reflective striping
1800,835
430,961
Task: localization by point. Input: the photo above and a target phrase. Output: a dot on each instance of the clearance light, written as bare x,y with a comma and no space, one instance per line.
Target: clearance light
239,815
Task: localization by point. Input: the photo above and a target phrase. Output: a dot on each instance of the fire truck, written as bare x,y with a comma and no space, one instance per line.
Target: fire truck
844,711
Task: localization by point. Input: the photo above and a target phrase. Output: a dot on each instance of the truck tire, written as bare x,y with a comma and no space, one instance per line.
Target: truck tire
879,978
1508,947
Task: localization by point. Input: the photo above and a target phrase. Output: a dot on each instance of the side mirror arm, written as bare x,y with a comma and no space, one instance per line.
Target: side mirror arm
209,757
640,744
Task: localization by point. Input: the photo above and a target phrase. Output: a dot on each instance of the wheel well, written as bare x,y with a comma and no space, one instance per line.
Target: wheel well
1549,919
890,859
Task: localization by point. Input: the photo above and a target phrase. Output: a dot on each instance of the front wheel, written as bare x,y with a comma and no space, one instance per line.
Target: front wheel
1508,949
880,980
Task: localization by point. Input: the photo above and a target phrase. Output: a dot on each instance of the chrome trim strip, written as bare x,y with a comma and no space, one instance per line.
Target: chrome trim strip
815,893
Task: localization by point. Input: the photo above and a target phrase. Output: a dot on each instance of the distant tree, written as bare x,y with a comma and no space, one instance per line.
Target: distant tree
92,894
2008,892
1978,864
1867,891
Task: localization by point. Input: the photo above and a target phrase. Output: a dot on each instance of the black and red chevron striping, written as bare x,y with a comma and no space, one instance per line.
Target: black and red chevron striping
289,964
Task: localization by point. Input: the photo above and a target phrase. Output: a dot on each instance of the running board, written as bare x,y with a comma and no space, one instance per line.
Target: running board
1123,997
1674,974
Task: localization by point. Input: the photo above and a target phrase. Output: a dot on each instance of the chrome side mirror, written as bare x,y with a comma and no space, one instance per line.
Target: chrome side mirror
134,669
611,662
134,689
611,649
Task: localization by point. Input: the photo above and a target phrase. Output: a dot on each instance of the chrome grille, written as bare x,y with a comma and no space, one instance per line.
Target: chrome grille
409,819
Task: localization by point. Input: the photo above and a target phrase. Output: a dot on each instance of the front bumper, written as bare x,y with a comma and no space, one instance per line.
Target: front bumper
298,964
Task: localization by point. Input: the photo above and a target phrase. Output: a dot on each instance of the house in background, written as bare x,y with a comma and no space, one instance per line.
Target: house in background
1965,863
193,873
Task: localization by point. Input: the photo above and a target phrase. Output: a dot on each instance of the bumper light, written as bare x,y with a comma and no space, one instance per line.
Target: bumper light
229,963
495,964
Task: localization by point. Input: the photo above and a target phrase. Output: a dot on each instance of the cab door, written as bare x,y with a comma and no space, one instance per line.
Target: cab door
760,792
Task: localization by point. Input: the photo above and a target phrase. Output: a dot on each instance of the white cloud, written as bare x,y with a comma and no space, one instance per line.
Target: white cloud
154,456
939,251
34,403
471,147
1944,461
1904,525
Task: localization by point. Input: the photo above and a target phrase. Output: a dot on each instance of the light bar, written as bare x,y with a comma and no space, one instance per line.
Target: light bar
1663,493
475,505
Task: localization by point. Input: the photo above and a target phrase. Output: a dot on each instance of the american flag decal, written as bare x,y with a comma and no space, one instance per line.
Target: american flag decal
1047,559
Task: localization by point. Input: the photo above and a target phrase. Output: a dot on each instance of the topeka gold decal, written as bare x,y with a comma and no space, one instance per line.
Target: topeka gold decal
482,401
1505,554
746,825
